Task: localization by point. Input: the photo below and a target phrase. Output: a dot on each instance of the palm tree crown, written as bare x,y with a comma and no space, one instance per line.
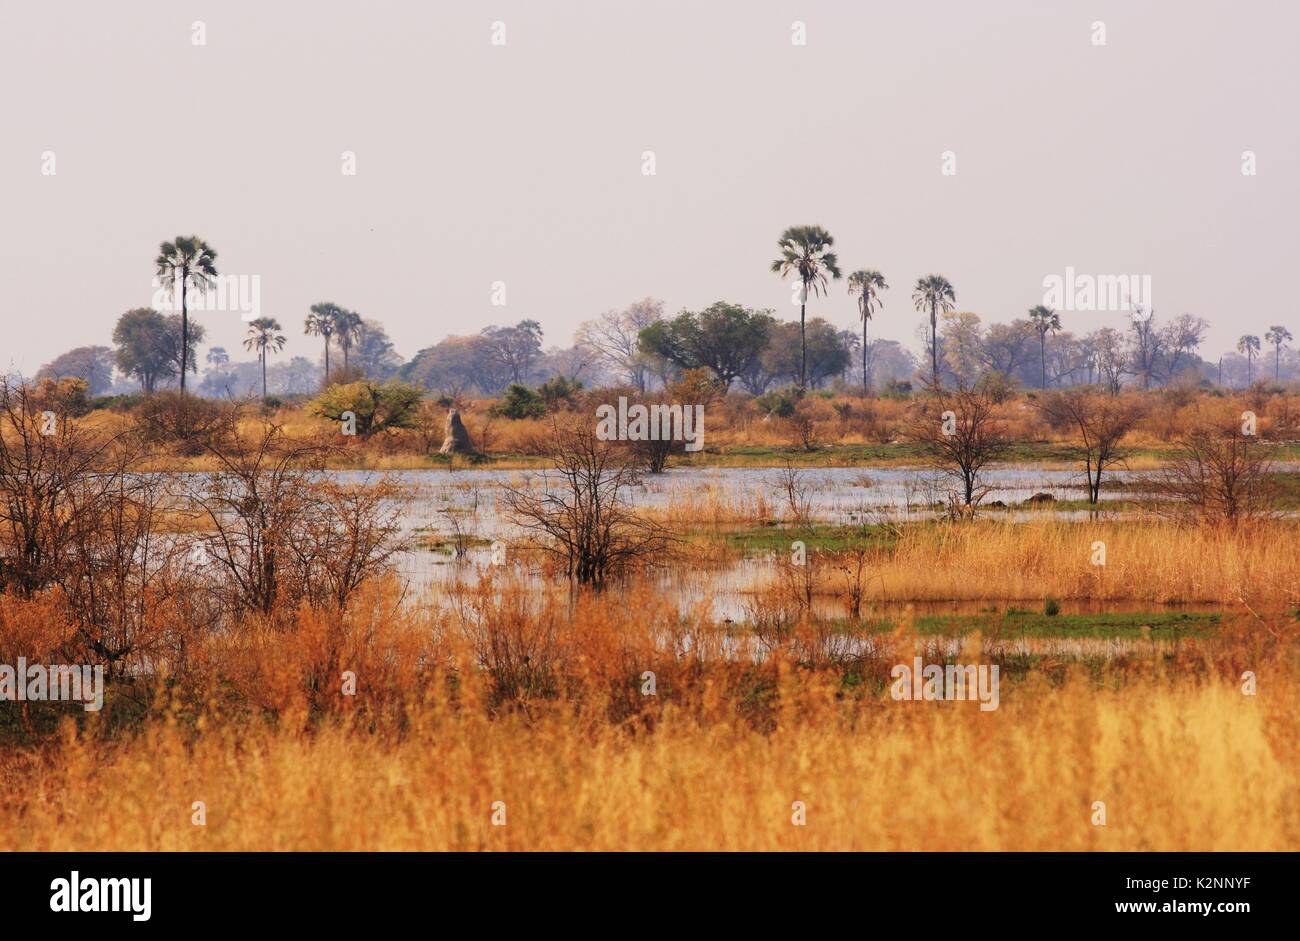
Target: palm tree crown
805,250
934,292
192,263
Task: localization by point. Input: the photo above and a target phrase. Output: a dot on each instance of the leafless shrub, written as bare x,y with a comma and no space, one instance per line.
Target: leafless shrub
960,432
1100,421
1217,474
282,531
579,514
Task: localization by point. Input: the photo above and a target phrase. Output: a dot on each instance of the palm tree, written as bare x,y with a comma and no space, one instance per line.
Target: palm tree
192,262
935,292
866,285
321,323
1249,346
804,250
347,330
1277,336
1045,320
263,335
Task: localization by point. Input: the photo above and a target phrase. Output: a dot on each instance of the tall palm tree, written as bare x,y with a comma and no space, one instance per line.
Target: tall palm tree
1277,336
347,330
321,322
263,335
866,285
805,251
934,292
1249,346
192,262
1045,320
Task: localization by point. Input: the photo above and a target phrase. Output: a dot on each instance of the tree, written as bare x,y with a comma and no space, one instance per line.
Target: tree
347,330
190,262
1101,421
321,322
1277,336
217,357
960,433
453,366
580,515
514,349
376,407
263,335
934,293
174,343
1108,357
94,364
827,354
140,336
1045,321
1147,345
866,285
805,251
724,338
373,353
1248,346
614,339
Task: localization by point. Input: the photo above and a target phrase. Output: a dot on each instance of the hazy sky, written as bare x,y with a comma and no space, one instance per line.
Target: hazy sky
522,163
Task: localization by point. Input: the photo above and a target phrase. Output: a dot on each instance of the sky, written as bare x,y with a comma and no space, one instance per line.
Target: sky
479,162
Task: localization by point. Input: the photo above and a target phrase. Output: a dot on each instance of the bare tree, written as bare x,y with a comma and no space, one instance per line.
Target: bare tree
580,514
1218,474
960,433
1101,422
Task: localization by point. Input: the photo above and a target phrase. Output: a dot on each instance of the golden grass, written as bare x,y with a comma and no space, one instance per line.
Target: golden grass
1184,766
1156,562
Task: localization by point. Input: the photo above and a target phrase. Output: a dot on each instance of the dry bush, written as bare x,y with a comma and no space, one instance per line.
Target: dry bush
578,514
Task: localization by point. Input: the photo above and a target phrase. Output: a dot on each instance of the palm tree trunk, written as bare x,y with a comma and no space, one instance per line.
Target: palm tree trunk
263,373
864,356
1277,360
185,328
934,344
803,341
327,360
1042,355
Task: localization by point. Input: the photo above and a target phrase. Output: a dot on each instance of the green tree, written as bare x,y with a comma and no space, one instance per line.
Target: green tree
142,343
724,338
866,285
190,262
1044,320
1248,346
376,406
1277,336
805,252
934,293
263,335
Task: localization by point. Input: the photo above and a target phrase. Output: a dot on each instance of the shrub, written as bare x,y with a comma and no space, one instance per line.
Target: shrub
519,402
377,407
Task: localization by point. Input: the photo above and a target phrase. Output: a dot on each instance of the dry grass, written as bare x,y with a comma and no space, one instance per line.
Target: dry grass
1152,562
1189,766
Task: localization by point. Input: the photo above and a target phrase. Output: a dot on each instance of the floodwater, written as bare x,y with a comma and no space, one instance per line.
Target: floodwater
439,501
